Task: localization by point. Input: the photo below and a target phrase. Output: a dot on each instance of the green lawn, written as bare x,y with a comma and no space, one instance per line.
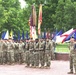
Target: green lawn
62,48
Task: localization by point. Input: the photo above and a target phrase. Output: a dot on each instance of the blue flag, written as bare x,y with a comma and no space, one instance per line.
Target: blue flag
44,35
26,34
75,35
72,34
23,36
59,33
3,35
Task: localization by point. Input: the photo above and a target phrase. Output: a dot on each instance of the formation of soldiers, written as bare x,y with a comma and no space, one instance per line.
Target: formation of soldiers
39,53
36,53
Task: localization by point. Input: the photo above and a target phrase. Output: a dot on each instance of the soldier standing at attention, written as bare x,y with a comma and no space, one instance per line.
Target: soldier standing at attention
71,55
16,52
4,48
27,54
31,49
21,52
74,58
41,53
11,51
48,53
52,49
36,53
1,52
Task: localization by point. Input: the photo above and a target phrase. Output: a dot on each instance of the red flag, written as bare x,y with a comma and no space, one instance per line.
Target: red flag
40,19
34,15
32,22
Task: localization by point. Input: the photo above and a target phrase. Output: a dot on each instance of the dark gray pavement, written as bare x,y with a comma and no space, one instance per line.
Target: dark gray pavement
57,68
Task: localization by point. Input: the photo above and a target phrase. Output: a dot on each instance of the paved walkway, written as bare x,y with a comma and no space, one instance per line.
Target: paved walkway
57,68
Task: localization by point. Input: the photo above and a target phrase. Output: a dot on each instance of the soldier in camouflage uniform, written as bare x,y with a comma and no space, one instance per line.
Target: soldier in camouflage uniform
4,48
16,52
36,53
21,52
41,53
31,49
27,54
11,51
71,48
74,58
1,52
48,53
52,49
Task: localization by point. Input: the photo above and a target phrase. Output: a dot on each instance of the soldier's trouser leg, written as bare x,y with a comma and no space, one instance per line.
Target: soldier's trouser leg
74,63
1,57
24,57
11,56
36,60
47,59
32,58
21,57
16,56
42,58
71,64
4,57
8,57
27,58
52,54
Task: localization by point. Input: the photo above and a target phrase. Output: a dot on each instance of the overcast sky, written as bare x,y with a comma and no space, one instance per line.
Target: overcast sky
22,3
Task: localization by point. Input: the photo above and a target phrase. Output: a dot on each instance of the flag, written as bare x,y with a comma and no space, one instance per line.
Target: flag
32,23
3,35
34,35
19,36
14,36
11,34
23,37
47,35
70,35
40,19
44,35
26,34
75,35
57,34
61,38
34,15
7,35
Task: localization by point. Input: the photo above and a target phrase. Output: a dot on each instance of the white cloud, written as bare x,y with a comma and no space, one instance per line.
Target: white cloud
23,3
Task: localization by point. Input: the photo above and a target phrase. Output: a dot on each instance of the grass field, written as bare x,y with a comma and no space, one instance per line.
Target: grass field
62,48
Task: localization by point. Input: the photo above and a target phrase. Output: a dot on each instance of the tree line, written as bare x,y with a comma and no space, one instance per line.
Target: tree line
57,15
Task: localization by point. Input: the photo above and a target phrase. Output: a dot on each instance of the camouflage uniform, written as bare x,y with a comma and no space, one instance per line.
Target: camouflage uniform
48,53
21,52
52,49
41,53
74,58
11,52
71,56
27,54
31,49
1,52
4,48
36,53
16,52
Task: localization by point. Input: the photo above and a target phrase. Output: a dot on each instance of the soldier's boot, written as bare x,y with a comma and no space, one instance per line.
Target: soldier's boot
27,65
70,72
75,69
47,65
